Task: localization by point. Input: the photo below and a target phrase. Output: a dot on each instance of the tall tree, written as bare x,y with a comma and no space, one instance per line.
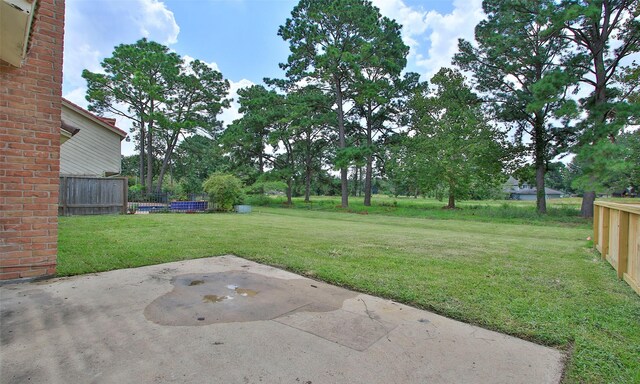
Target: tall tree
134,86
518,63
246,138
310,110
281,137
330,43
375,89
287,130
196,96
594,25
453,146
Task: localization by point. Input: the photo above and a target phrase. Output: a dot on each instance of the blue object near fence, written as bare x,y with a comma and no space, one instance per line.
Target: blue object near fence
189,206
150,208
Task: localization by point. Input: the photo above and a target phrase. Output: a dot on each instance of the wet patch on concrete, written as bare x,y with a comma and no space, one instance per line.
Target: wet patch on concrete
239,296
214,298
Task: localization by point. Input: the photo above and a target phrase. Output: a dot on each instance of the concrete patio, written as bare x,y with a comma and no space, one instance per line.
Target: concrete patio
229,320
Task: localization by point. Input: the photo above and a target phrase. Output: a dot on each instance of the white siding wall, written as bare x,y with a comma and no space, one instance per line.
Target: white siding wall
93,151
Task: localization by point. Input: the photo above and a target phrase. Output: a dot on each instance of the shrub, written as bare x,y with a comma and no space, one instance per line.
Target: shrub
136,188
224,191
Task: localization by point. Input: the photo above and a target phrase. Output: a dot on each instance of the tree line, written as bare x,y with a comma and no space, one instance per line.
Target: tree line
542,79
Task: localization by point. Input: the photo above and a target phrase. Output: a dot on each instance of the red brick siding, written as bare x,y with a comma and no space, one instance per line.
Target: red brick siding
30,107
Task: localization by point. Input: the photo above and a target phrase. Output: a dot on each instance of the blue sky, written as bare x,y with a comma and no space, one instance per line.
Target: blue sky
239,37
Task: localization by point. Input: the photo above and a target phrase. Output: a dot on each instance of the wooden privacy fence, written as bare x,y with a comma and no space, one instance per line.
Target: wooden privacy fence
92,195
616,234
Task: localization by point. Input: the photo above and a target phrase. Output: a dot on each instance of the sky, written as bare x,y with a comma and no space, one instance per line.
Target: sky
239,37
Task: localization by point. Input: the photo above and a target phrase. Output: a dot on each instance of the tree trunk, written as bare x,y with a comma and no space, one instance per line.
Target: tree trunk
600,97
588,198
289,190
143,182
165,164
355,181
307,184
307,169
367,181
540,162
452,200
369,170
150,153
344,181
541,198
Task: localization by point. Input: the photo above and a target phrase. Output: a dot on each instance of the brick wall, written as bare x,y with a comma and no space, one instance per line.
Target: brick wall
30,107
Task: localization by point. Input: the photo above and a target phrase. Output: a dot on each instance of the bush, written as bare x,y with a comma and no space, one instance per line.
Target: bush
224,191
136,188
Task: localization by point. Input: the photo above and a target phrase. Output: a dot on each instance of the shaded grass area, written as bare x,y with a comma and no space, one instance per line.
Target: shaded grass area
538,282
559,211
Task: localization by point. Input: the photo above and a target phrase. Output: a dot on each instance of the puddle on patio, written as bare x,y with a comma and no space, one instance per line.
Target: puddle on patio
237,296
213,298
246,292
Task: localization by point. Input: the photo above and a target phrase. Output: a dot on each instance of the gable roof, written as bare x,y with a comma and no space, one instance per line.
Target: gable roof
105,122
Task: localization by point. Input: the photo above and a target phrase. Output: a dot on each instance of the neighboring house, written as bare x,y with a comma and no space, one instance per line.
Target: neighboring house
518,191
510,186
91,144
530,194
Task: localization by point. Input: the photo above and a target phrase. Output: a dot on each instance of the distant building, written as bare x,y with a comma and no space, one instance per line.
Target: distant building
522,191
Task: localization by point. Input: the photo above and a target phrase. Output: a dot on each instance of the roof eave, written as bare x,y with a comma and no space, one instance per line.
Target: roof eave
94,118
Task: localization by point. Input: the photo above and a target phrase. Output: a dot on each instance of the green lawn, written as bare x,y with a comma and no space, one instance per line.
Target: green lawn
529,276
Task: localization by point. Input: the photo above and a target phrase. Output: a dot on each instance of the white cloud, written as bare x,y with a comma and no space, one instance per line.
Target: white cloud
156,20
445,32
188,60
412,20
439,31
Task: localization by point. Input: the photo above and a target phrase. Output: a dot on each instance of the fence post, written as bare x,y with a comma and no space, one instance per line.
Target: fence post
125,195
605,232
596,225
65,193
623,243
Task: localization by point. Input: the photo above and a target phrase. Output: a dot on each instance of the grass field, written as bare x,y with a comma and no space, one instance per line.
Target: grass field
530,276
560,211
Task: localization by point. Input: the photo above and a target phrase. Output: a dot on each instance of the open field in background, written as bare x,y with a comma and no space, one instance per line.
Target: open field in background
561,211
533,277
